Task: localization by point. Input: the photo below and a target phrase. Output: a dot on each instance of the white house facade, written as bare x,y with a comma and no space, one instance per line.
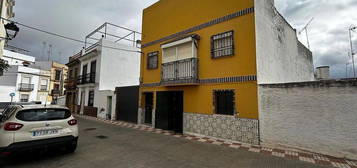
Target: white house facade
26,83
104,66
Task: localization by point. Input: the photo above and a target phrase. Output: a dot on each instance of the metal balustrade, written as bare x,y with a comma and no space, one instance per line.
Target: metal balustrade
26,87
86,79
180,72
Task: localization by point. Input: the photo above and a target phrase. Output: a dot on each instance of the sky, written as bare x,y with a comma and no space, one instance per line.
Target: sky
328,32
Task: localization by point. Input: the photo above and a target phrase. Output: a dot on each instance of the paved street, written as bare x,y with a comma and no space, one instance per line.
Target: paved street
108,146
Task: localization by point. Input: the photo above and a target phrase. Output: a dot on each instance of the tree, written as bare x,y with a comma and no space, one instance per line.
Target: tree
4,66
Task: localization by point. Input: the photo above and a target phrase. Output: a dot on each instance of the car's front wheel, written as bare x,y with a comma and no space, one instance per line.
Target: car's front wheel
72,146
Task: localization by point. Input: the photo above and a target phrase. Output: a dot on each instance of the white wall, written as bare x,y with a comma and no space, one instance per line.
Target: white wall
118,68
14,58
34,75
315,116
100,101
10,81
280,57
5,93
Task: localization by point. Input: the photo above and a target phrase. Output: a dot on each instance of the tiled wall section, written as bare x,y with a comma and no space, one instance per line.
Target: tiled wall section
224,127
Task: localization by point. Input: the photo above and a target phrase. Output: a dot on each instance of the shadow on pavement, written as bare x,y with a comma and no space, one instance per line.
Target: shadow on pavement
28,157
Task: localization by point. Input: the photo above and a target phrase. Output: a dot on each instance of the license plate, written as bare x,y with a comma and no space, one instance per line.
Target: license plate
44,132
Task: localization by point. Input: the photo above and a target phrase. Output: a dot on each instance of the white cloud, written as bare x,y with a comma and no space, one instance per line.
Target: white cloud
328,32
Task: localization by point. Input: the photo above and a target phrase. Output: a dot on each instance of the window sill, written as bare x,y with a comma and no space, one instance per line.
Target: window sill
224,56
227,115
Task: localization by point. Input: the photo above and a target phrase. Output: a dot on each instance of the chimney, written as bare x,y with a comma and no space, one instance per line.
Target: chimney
323,73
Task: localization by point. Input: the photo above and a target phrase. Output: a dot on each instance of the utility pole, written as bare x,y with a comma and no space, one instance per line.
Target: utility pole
305,28
352,28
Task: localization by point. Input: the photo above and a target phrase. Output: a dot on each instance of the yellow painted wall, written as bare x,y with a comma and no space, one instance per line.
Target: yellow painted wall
171,16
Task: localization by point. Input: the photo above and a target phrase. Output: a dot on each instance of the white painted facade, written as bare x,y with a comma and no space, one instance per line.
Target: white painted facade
6,11
14,58
114,68
11,81
280,56
314,116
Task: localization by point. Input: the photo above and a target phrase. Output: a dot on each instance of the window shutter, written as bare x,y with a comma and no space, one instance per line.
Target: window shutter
169,55
184,51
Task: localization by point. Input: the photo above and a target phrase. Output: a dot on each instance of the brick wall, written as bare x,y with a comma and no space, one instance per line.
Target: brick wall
315,116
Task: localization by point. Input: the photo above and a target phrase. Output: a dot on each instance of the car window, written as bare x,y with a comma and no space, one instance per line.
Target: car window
43,114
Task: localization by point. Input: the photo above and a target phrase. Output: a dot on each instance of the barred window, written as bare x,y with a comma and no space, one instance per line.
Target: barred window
152,61
224,102
222,45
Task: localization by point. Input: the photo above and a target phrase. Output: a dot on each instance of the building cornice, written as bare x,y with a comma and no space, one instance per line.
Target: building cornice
201,26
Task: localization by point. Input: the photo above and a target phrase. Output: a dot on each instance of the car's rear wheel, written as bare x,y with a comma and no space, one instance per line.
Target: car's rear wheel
72,146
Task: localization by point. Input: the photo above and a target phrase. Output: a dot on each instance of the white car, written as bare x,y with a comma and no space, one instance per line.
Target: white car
35,127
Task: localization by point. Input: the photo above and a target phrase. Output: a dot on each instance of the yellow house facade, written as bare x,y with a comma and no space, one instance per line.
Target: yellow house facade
199,68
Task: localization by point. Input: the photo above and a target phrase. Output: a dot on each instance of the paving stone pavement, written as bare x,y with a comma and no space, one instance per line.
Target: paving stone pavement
302,156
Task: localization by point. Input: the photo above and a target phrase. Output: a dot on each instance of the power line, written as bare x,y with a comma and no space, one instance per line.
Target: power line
65,37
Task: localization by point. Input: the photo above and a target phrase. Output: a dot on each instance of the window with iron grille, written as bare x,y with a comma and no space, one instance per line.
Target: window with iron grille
153,59
24,98
222,45
91,98
224,102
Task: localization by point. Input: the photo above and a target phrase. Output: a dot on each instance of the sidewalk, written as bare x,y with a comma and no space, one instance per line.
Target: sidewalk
302,156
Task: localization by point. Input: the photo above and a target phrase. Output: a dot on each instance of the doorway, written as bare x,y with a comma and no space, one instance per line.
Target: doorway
169,111
149,102
109,107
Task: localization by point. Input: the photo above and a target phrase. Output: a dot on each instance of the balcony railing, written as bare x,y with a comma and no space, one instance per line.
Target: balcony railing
86,79
25,87
55,92
180,72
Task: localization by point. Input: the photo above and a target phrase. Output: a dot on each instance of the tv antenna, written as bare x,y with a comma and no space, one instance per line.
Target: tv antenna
305,28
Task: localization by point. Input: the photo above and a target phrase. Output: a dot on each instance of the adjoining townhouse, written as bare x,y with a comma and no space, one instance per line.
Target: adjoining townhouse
26,83
57,81
203,59
74,66
6,11
104,66
44,86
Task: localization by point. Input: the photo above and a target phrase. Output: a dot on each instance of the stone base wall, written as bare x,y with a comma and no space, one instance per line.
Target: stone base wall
223,127
141,117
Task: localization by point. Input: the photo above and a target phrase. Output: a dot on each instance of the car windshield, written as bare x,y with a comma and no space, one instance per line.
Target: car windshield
43,114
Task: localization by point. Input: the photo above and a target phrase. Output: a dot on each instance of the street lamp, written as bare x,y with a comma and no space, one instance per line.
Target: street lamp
352,28
11,30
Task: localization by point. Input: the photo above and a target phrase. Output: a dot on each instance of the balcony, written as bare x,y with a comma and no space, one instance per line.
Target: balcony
25,87
55,92
182,72
86,79
70,84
